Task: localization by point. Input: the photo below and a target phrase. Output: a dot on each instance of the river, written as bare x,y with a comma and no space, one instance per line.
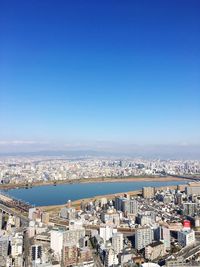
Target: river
57,195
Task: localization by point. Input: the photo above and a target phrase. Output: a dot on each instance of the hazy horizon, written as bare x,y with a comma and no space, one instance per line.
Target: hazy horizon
175,151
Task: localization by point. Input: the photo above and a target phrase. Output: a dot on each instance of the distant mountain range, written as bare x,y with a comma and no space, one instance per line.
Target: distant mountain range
159,151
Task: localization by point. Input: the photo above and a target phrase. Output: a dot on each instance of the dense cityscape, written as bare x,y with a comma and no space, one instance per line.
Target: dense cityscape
151,227
31,170
100,133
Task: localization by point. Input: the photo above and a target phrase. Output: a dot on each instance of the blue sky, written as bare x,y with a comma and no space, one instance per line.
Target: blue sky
87,72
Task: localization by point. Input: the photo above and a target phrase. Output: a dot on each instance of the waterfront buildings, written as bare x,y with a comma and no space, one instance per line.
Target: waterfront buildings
16,171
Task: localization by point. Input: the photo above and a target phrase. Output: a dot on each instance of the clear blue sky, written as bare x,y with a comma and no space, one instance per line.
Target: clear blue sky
84,71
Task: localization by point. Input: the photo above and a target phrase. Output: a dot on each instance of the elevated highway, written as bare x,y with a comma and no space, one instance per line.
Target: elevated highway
15,208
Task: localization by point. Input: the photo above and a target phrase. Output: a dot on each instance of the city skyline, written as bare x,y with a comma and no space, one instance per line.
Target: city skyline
102,76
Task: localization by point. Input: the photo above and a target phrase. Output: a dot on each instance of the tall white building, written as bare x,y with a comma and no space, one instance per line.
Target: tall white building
107,232
117,242
57,242
143,237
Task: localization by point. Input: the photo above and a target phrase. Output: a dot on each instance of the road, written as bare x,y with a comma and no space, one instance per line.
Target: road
188,252
97,261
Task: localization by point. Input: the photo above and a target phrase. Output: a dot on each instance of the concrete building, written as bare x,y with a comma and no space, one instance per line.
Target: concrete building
107,232
110,258
189,208
133,206
121,203
68,213
146,218
163,234
45,217
56,242
36,253
70,255
126,205
110,217
143,237
4,246
186,237
117,242
73,237
17,247
193,189
154,251
148,192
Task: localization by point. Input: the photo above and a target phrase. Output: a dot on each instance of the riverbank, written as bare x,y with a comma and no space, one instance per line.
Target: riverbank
92,180
77,203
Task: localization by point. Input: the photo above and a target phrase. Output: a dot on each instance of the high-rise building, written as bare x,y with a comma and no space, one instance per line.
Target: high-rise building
56,242
148,192
4,246
45,217
146,218
163,234
36,253
126,205
110,258
133,207
107,232
189,208
70,255
117,242
193,189
17,245
72,237
120,203
143,237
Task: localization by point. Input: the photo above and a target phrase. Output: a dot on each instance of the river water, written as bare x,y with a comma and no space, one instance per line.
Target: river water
56,195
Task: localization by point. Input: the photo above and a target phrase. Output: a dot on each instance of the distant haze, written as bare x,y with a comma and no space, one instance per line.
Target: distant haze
118,150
